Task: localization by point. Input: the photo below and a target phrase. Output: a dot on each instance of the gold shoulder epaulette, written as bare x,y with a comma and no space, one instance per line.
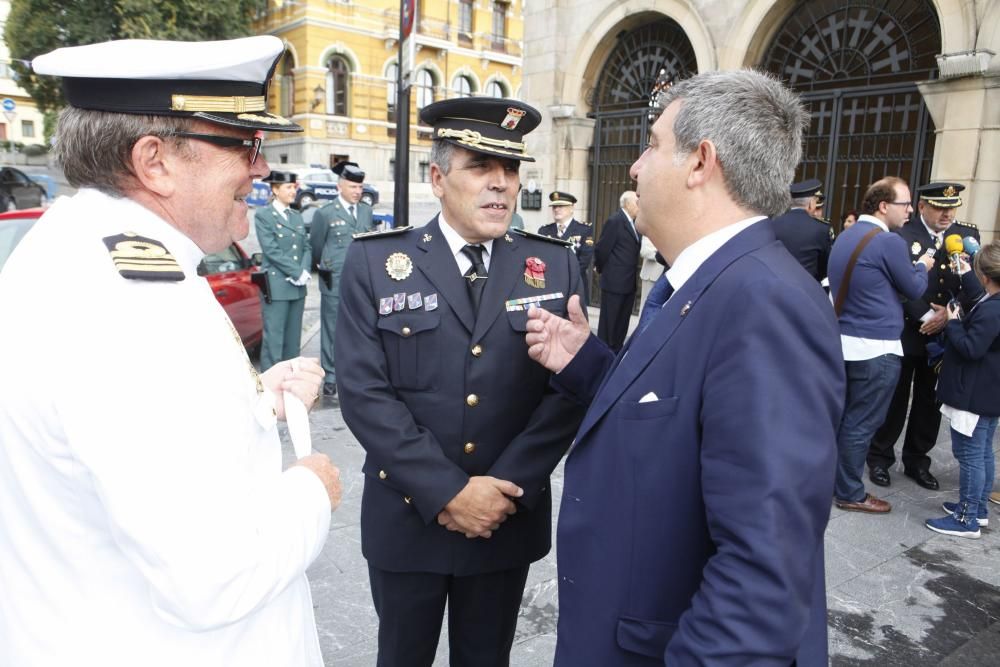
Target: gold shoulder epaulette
140,258
541,237
585,223
361,236
966,224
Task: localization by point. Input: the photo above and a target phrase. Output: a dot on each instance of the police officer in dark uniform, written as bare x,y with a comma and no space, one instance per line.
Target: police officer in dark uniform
333,228
460,427
924,318
803,230
568,228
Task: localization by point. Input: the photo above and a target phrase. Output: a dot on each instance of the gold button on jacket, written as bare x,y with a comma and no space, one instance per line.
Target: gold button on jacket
472,400
470,447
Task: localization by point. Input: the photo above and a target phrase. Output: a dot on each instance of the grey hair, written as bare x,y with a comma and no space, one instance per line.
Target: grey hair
987,261
94,148
627,197
441,154
801,202
756,125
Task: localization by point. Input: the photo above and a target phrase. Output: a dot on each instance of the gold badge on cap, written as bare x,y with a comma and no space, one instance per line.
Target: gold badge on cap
947,192
513,117
915,248
399,266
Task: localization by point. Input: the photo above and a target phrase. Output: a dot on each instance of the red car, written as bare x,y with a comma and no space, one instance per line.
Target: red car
228,272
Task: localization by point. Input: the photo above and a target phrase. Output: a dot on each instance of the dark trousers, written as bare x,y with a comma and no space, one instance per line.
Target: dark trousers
925,419
328,305
482,616
616,309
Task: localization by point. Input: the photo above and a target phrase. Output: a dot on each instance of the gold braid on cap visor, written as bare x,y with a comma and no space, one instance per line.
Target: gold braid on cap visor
216,104
476,139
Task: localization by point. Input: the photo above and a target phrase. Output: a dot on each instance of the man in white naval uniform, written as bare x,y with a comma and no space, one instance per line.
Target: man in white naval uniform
144,516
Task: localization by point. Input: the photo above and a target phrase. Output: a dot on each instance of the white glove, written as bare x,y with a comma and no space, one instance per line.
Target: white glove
303,278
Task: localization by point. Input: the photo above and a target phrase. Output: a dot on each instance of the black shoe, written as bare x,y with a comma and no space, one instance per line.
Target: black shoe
329,389
923,478
879,475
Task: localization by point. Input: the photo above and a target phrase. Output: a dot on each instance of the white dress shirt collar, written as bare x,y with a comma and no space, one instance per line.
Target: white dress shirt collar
347,205
934,235
456,243
864,217
694,255
280,208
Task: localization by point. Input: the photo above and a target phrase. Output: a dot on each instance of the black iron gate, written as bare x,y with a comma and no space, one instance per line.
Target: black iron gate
855,64
856,138
620,108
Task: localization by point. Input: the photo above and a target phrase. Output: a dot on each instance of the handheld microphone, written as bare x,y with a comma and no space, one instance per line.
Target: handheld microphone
953,244
970,245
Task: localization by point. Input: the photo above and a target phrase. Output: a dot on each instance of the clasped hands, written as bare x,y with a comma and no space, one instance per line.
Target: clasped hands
480,507
303,278
303,378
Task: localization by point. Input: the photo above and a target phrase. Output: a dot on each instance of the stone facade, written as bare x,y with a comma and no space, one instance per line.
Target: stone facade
567,43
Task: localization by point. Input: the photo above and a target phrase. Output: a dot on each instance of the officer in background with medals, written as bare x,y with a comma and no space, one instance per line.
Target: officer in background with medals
145,516
461,428
333,228
923,319
281,232
803,231
568,228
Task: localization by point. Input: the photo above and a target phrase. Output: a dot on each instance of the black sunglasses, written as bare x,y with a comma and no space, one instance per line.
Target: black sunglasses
229,142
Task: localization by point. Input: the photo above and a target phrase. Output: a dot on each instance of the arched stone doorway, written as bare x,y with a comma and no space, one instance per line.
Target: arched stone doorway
620,108
856,64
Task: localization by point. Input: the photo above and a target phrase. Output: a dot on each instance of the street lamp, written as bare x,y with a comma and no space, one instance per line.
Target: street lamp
318,94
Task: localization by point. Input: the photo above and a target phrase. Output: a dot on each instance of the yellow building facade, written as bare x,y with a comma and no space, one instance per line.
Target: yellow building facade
338,76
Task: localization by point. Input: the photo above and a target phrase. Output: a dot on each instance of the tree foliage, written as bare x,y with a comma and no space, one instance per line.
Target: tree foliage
35,27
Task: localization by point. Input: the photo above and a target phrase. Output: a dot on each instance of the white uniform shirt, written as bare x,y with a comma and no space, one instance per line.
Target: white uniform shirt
144,516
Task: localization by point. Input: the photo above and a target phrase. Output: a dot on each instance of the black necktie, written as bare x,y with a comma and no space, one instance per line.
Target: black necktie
476,275
658,296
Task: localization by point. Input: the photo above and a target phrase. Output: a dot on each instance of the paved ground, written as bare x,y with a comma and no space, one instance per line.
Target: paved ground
898,594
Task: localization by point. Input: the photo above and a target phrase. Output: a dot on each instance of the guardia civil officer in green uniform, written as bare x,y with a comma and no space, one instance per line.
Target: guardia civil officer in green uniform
460,427
281,232
332,230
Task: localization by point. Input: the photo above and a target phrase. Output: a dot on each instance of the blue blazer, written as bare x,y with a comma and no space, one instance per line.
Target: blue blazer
970,371
691,526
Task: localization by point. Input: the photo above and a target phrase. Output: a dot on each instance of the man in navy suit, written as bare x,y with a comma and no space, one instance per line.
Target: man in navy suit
616,258
699,485
803,230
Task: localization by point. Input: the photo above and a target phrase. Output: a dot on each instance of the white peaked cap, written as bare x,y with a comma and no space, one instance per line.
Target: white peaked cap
222,81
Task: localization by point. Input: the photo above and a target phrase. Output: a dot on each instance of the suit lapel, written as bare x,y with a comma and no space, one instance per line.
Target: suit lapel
641,349
435,261
502,274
